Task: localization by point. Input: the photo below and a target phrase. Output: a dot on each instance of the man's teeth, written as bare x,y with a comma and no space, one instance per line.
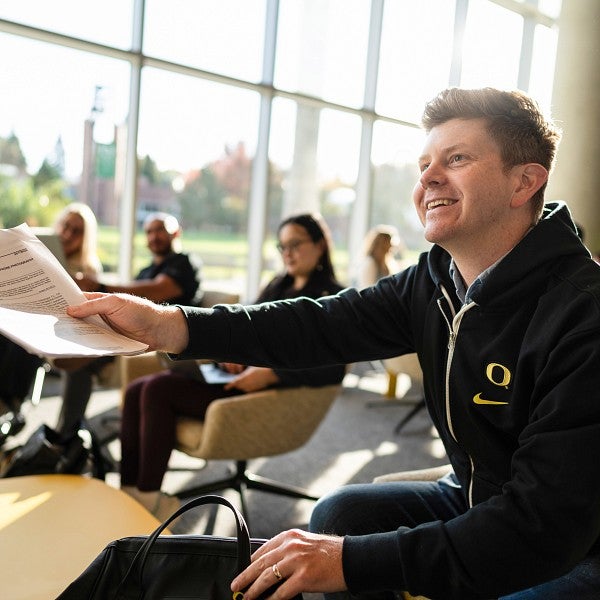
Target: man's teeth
442,202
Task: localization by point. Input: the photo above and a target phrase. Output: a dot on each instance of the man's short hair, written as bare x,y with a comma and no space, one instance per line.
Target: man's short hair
514,121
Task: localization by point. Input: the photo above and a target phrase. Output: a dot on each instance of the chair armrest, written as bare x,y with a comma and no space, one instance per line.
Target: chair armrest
431,474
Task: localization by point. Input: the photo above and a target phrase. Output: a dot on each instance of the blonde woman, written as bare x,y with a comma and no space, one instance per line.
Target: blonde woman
381,244
77,229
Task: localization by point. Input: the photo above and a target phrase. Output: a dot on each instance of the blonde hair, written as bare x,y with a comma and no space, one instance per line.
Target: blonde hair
377,263
378,233
88,254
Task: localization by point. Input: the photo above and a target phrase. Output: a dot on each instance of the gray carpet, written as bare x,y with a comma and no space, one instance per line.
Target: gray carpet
355,443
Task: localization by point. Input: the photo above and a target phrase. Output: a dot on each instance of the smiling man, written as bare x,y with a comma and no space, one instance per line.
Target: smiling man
504,314
470,201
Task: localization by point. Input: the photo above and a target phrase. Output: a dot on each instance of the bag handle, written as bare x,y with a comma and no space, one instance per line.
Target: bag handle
243,536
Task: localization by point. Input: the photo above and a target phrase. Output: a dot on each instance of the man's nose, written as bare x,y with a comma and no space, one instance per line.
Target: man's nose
431,176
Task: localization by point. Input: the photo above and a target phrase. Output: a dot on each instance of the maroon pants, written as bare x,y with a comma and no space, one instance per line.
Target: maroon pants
150,410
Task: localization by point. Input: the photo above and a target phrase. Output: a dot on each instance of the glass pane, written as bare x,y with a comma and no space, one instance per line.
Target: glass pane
315,156
196,163
322,49
223,36
62,107
103,21
395,173
542,65
411,71
492,46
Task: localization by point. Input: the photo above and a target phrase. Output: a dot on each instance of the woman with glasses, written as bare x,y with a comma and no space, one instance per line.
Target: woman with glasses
153,403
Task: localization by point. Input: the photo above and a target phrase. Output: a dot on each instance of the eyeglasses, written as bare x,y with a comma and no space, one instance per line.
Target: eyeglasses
291,246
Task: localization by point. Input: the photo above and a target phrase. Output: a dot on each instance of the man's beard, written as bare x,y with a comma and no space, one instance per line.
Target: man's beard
161,251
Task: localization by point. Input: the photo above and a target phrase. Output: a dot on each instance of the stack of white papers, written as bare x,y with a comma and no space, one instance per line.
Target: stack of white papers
35,291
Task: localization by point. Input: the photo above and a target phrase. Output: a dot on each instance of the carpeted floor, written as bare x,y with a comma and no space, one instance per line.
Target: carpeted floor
355,443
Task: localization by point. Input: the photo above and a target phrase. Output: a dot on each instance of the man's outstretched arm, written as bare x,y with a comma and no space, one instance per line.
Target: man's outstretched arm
161,327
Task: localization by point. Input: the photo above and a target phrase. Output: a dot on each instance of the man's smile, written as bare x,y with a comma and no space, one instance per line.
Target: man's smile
431,204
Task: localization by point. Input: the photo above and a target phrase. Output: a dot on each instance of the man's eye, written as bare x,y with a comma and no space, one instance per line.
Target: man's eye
423,167
457,158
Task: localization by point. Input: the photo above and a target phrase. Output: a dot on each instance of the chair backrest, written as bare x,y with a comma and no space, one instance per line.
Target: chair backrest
406,363
212,297
258,424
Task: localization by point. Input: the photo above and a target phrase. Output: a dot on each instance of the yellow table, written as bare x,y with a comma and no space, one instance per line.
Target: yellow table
53,526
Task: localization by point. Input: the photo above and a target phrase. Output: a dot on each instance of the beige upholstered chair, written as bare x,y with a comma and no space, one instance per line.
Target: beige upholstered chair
409,365
239,428
212,297
430,474
406,363
259,424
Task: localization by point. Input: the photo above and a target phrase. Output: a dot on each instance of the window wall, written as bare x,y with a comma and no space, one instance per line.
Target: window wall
232,114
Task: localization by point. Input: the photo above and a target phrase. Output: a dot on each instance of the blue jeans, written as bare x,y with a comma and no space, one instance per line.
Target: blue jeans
371,508
582,583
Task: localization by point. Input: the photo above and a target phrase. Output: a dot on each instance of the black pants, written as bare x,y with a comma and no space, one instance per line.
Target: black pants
17,373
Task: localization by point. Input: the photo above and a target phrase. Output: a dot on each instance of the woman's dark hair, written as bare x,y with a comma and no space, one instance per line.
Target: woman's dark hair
317,229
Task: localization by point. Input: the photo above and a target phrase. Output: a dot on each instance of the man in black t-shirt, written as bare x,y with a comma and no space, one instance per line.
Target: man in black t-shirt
170,278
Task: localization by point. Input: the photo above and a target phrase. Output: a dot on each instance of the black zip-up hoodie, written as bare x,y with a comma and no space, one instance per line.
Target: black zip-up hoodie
512,383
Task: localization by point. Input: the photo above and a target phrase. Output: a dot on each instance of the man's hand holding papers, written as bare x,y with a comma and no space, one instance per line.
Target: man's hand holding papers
35,291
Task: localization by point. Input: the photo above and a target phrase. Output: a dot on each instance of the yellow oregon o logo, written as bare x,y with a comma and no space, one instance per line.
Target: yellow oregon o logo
495,369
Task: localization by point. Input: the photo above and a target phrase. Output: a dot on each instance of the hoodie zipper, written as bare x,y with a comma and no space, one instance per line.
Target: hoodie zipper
453,327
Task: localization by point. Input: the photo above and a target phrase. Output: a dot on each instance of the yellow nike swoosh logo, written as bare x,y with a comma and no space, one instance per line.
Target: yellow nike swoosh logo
479,400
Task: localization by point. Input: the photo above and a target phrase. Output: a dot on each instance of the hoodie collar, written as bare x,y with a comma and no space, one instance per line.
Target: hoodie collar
465,294
525,266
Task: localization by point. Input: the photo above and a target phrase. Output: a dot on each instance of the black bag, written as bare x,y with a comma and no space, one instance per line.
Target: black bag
45,452
168,567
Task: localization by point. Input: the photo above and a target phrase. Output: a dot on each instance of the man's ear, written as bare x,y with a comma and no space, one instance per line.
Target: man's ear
530,178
